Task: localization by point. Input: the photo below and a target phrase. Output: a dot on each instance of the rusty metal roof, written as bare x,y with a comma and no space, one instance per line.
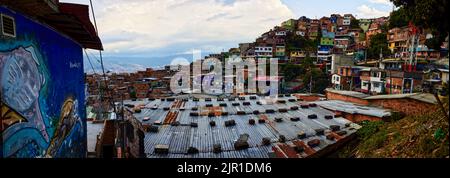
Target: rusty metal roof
203,137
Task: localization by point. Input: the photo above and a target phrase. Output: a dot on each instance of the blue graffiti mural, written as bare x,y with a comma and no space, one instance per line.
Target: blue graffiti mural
42,92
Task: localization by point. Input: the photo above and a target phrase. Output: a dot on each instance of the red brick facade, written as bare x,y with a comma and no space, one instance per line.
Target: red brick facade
405,105
335,96
308,98
357,117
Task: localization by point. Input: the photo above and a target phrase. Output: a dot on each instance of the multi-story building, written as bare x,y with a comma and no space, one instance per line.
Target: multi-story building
326,41
264,51
347,19
372,80
400,82
280,52
347,78
280,33
246,50
325,24
423,53
337,19
324,56
313,30
341,43
374,28
397,38
302,26
436,79
142,89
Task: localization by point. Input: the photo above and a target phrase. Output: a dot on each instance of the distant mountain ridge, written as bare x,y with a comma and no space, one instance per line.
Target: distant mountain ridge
131,64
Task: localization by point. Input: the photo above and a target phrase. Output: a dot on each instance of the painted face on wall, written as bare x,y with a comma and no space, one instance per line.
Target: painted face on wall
21,82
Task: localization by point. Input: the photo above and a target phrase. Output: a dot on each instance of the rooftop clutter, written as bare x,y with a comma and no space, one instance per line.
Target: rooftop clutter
209,128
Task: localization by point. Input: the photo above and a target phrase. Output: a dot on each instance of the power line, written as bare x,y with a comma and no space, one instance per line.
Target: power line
89,59
96,58
101,59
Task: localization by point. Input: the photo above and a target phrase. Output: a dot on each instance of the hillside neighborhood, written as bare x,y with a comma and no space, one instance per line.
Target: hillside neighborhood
336,86
344,53
365,71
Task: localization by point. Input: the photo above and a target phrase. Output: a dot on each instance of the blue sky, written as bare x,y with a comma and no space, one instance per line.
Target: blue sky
153,31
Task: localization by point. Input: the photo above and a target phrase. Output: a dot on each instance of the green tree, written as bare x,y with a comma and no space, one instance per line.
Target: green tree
354,23
307,63
133,94
430,14
398,18
313,75
317,78
291,71
378,43
295,42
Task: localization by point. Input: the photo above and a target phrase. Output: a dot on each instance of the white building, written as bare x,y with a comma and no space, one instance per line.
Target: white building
300,33
263,51
444,75
346,22
347,19
280,33
336,81
372,80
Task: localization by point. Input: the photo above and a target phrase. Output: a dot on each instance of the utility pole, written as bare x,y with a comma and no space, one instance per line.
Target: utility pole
310,84
390,82
351,82
365,55
122,122
101,60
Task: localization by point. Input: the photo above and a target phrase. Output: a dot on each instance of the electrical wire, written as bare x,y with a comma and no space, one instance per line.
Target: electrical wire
89,60
101,59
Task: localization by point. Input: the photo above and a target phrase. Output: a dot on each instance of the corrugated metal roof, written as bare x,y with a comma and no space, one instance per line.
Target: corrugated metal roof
337,105
348,93
203,137
424,97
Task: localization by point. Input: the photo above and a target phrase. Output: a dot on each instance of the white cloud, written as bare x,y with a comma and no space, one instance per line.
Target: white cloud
365,11
142,25
385,2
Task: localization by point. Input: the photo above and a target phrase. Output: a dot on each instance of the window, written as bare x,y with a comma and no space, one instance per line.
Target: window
376,74
8,26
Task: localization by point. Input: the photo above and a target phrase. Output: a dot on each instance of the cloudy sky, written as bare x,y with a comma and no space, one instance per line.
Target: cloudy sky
155,28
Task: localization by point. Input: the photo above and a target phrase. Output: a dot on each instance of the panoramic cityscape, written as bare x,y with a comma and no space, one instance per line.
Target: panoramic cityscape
249,79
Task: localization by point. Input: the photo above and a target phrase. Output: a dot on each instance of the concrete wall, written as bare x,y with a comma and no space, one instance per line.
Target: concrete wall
340,60
42,92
